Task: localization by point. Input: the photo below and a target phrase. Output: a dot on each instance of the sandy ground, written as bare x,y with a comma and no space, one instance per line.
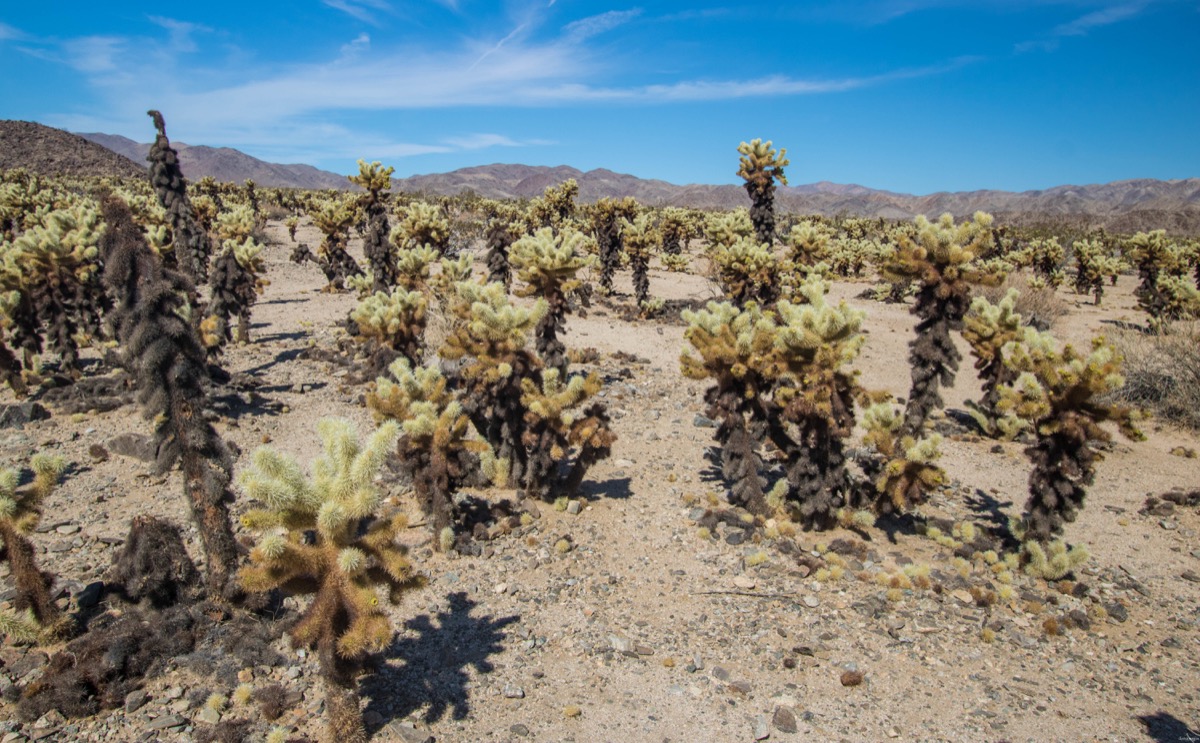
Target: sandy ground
647,632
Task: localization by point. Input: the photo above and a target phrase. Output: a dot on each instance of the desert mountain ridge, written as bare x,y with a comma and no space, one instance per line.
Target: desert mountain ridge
1120,205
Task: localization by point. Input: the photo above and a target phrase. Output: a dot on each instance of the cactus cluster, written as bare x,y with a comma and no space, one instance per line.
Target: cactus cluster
327,535
1094,266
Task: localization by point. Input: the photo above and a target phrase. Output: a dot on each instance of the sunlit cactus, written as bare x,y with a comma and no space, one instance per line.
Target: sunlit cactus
747,272
907,472
191,243
989,328
815,391
727,228
641,238
678,227
37,616
375,180
51,273
292,222
941,258
334,218
761,166
555,208
434,446
1094,266
236,281
1162,267
504,228
564,434
1045,256
395,321
732,348
549,264
422,225
327,535
606,224
1060,395
809,241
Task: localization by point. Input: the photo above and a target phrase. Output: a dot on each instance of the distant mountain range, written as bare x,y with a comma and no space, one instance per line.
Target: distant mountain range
1121,206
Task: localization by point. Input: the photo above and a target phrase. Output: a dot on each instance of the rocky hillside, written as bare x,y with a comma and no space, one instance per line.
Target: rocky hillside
49,151
227,164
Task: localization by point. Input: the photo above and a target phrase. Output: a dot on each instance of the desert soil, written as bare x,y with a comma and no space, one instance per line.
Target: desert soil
645,631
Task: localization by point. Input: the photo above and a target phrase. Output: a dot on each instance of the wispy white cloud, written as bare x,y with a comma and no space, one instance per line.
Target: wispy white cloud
352,49
1082,25
1103,17
585,28
181,32
94,54
10,33
364,10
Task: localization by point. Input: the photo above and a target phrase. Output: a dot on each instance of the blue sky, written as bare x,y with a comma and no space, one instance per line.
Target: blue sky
907,95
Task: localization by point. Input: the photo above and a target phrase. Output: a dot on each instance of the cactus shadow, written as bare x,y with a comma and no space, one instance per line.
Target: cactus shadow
428,666
282,357
615,487
1167,728
992,511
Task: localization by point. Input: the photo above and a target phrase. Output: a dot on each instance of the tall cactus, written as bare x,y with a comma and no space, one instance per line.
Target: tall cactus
375,180
549,265
940,257
192,247
761,166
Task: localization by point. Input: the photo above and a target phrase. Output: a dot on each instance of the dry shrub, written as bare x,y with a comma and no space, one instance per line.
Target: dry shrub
1162,372
1039,307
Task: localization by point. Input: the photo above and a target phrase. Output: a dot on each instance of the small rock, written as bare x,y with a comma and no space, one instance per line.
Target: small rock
702,421
811,601
784,719
512,691
51,719
166,722
500,588
98,453
574,508
622,645
68,529
519,729
134,445
135,700
208,715
735,537
17,415
742,581
1117,611
852,678
893,732
1190,575
572,710
294,672
762,730
1168,525
720,674
173,693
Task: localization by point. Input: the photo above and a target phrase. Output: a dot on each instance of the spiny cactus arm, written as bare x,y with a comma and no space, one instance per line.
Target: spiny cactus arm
907,478
759,162
283,561
373,177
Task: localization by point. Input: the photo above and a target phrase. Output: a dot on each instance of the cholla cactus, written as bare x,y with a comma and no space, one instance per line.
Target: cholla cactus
236,283
727,228
760,166
641,238
20,511
394,321
1045,256
733,348
555,208
809,241
1094,266
747,271
941,257
989,328
1164,292
51,275
907,472
333,218
191,244
504,228
607,215
169,363
326,535
1057,393
376,179
814,343
434,445
422,225
292,222
677,226
491,336
549,265
557,422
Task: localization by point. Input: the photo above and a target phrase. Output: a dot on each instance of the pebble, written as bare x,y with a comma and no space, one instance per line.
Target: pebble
703,421
519,729
742,581
784,719
512,691
166,721
574,508
1168,525
209,716
811,601
762,730
68,529
135,700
